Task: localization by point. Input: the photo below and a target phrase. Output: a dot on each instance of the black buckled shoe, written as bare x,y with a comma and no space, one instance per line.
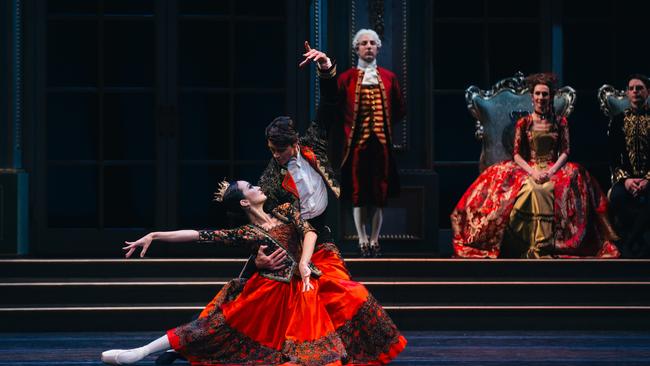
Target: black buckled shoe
364,248
375,250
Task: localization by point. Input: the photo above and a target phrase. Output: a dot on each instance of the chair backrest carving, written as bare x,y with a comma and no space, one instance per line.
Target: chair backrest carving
613,101
497,110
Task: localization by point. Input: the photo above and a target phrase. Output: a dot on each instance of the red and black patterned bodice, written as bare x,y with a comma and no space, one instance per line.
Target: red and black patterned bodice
288,235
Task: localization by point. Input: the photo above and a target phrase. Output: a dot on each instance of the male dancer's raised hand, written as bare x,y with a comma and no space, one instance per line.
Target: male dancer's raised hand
312,54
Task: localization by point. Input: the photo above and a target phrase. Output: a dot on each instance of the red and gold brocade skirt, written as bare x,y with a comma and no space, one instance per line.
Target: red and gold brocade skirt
265,322
580,227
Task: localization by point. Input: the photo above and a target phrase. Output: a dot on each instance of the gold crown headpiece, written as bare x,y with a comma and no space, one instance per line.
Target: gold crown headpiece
221,190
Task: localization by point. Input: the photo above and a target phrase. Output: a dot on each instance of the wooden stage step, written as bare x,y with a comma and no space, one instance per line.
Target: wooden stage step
419,293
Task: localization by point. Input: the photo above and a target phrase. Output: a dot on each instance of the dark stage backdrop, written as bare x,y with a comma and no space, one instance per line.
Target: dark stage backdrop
134,109
143,106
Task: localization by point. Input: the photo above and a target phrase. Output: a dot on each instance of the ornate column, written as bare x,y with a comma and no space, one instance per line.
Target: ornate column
318,40
14,197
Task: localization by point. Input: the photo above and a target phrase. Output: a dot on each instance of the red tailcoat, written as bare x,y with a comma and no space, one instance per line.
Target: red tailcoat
349,85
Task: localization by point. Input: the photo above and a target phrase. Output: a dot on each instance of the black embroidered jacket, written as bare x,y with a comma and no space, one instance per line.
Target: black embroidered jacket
276,182
629,145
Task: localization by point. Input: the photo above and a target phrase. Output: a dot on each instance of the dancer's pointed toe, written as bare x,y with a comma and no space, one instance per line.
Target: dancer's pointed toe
110,357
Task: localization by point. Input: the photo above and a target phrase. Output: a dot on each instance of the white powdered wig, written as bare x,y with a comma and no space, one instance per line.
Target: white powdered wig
361,32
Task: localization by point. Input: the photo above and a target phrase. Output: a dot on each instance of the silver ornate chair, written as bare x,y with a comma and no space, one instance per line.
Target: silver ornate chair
497,110
613,101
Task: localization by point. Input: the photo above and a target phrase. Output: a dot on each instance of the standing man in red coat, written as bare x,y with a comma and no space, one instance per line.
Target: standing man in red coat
371,101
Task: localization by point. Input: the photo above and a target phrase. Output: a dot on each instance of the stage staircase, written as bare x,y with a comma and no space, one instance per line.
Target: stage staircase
419,294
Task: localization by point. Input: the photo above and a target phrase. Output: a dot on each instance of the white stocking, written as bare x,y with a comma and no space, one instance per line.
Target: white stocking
359,214
134,355
377,220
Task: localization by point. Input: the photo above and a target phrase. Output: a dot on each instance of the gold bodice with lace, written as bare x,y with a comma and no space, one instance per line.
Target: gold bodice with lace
541,147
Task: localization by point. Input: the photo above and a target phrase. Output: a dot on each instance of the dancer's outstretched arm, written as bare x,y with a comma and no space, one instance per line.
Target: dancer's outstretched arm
168,236
312,54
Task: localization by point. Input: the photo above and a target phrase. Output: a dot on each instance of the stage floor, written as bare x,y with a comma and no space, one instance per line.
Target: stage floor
425,348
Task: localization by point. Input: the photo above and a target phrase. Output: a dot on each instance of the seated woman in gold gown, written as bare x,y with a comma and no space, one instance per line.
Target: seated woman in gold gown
537,205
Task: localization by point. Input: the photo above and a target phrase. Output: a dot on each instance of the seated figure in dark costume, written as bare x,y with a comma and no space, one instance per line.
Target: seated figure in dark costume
276,317
629,145
537,205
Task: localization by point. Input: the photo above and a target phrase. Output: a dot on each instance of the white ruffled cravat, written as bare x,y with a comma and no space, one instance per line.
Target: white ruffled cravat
370,76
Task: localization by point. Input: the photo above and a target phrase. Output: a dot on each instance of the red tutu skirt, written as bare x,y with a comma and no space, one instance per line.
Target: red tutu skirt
260,321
